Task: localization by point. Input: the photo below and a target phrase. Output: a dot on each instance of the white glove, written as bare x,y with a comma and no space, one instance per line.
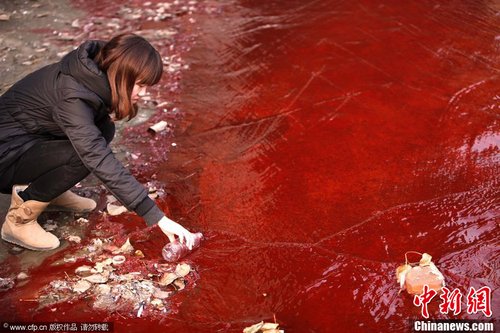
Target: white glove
171,228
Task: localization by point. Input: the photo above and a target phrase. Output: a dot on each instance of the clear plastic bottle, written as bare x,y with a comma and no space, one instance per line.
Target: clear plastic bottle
174,251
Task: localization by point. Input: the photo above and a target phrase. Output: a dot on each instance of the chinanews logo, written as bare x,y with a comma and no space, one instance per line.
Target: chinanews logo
451,301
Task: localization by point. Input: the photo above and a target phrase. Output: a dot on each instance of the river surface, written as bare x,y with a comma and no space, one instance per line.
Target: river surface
321,140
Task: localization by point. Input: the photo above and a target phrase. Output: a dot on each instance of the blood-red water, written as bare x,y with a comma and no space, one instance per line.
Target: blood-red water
319,142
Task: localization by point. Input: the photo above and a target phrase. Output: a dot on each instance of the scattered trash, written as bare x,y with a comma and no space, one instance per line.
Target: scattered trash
413,277
263,327
159,127
4,17
22,276
111,283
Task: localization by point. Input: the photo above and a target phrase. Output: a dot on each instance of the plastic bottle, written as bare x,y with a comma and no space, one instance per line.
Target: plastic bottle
174,251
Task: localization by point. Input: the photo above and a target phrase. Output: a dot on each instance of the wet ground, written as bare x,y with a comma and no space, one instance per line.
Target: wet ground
315,144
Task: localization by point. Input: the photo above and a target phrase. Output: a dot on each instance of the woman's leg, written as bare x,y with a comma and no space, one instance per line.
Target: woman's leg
51,167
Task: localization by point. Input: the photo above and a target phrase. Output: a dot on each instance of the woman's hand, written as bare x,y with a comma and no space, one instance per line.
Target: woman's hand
171,228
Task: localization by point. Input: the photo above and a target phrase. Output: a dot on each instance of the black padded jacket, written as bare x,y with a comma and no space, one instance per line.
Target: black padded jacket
70,99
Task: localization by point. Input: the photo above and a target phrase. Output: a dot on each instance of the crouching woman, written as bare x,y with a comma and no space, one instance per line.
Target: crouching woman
55,128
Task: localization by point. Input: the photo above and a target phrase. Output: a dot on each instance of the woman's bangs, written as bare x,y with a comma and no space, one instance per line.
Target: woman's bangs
152,70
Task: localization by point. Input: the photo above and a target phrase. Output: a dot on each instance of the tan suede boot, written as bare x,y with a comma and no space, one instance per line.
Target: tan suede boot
72,202
21,227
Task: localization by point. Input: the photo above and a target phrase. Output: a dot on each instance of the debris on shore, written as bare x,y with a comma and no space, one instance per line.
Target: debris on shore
117,279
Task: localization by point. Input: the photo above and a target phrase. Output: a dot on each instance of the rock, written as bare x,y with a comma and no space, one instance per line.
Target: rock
82,220
22,276
81,286
138,253
4,17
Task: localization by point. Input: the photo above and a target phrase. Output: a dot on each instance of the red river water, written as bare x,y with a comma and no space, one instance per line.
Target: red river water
318,142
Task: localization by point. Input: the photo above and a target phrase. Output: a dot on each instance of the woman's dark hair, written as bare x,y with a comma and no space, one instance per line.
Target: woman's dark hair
128,58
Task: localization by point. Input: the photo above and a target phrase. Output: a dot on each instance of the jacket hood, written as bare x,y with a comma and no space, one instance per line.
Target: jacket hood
80,65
